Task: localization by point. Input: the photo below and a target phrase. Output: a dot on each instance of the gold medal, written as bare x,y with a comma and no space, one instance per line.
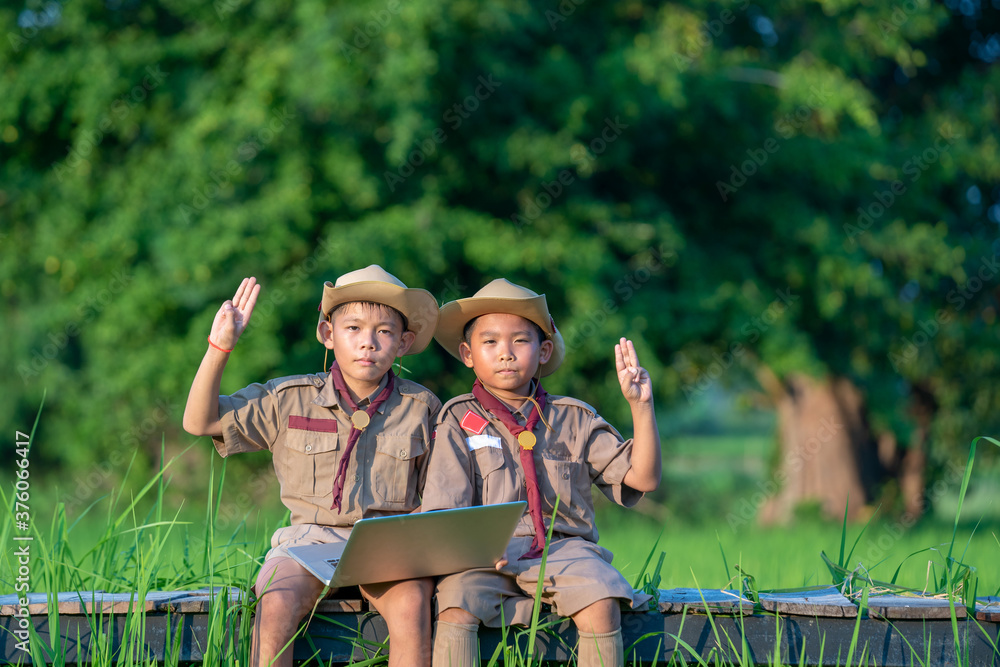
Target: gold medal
526,439
360,419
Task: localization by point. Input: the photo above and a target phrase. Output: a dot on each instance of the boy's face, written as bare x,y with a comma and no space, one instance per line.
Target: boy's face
505,353
365,341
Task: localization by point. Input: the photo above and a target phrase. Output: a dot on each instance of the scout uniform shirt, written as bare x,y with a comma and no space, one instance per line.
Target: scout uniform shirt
301,421
475,461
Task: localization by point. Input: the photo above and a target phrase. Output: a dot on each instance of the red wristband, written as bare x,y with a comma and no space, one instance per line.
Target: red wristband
216,346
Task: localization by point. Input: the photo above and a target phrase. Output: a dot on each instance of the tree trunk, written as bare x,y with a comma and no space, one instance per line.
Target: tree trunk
913,463
828,454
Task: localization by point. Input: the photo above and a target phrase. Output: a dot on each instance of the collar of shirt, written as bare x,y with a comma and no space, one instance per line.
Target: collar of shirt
524,412
329,398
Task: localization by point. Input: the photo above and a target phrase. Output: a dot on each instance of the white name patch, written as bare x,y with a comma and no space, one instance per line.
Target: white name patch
480,441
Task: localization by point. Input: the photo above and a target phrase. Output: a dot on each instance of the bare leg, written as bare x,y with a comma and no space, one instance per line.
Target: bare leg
406,608
286,593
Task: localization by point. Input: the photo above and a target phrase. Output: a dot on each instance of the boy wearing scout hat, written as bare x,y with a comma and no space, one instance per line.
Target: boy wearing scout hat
346,444
509,440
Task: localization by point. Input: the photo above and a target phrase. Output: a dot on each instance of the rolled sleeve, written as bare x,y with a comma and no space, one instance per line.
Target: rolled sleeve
610,459
423,463
449,470
249,420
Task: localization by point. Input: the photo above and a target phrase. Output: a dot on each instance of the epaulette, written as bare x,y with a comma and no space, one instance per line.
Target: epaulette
305,380
417,392
575,402
461,398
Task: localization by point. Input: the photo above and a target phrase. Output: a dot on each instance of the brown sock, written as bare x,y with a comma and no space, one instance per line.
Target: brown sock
455,645
601,649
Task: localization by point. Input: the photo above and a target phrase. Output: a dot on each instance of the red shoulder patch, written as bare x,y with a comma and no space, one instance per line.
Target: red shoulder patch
473,423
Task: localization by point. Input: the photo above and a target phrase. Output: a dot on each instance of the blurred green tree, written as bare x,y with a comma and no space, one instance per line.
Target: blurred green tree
798,198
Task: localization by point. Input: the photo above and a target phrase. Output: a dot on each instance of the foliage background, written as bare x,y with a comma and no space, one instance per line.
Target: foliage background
661,170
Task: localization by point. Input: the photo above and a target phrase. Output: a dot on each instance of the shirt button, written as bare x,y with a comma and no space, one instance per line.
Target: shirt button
565,475
309,448
357,478
402,453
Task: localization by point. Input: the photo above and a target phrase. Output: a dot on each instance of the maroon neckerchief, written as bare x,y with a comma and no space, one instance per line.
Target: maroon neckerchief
500,410
345,397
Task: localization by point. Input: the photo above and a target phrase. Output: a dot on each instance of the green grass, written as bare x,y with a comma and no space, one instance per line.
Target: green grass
142,536
788,556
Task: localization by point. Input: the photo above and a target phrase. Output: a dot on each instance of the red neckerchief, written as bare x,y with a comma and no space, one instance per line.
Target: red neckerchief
345,396
500,410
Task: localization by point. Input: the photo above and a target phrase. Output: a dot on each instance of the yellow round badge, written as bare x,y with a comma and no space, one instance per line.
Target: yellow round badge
526,439
360,419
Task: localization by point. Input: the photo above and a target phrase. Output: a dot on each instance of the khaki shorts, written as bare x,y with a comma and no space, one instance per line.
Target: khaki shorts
578,573
300,535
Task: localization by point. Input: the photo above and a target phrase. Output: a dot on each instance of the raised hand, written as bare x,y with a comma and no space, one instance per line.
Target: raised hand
637,386
234,315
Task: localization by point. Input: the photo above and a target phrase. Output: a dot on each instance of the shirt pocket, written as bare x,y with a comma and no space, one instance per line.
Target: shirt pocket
493,483
568,480
394,474
314,451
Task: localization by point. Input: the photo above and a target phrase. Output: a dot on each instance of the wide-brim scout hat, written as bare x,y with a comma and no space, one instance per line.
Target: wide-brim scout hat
375,284
500,296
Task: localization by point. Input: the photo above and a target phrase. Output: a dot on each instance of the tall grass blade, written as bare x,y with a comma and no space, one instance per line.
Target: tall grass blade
843,534
537,607
725,563
965,484
638,580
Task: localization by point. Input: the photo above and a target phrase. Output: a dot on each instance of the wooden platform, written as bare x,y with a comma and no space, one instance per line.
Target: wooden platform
897,630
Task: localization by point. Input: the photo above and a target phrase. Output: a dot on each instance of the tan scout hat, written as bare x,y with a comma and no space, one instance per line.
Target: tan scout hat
500,296
375,284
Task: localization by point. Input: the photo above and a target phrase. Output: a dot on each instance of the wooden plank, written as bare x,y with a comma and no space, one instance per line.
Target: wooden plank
188,602
38,603
988,609
651,636
337,605
100,602
695,600
828,603
117,603
197,602
912,607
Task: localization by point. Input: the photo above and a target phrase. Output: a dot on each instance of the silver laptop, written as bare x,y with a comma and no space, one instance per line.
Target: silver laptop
409,546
